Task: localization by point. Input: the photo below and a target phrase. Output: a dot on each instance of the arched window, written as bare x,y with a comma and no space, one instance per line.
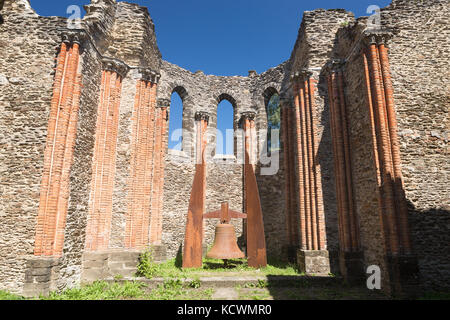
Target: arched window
225,129
176,123
273,122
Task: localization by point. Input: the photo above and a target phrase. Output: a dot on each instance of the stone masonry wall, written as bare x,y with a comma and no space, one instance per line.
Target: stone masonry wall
419,76
419,55
312,51
29,47
201,92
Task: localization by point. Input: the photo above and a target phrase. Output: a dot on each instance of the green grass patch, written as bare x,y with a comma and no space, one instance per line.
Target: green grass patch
9,296
101,290
148,268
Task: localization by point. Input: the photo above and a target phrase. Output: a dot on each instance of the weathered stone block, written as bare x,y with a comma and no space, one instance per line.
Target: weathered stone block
313,262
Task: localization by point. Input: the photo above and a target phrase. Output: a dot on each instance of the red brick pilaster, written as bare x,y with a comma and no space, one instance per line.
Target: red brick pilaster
384,149
58,156
310,211
158,176
145,170
299,104
380,96
402,264
400,197
104,161
348,222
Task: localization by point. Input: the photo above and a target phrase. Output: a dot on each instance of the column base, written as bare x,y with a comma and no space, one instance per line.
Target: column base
352,267
41,276
315,262
109,264
404,276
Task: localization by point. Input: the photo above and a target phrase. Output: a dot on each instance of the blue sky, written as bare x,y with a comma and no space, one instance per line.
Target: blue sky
224,37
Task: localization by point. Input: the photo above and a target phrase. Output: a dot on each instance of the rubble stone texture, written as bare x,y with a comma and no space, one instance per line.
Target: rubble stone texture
147,186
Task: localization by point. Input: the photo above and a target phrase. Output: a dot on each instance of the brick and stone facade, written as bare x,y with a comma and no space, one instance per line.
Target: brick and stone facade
87,180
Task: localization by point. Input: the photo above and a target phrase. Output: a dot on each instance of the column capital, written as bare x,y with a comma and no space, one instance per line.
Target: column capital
334,65
249,115
150,75
301,75
202,116
72,36
163,103
376,37
115,65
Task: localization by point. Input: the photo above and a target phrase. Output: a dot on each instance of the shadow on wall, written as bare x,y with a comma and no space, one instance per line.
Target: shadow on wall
273,208
430,233
2,2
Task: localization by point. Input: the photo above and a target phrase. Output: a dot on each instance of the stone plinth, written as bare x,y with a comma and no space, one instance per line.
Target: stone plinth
109,264
40,276
313,262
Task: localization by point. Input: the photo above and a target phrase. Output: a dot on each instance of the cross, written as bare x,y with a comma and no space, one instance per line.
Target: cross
225,214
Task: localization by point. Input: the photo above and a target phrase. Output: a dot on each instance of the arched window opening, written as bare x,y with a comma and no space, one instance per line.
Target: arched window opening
225,129
176,123
273,123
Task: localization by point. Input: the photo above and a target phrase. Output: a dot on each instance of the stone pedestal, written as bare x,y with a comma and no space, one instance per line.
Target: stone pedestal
352,267
313,262
41,276
404,276
109,264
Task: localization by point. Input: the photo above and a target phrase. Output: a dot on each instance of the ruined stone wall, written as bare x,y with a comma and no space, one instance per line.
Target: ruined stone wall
419,57
201,92
364,173
421,102
29,47
312,51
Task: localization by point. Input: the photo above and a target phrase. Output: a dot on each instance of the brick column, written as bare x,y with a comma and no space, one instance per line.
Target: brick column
351,256
299,102
145,171
162,117
313,256
393,208
193,243
104,161
58,156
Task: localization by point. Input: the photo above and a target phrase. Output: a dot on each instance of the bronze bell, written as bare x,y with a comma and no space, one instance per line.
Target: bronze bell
225,244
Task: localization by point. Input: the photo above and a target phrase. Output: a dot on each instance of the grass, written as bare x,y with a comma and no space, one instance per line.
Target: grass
172,268
9,296
102,291
171,289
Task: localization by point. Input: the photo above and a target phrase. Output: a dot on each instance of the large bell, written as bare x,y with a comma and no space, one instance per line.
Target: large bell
225,244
